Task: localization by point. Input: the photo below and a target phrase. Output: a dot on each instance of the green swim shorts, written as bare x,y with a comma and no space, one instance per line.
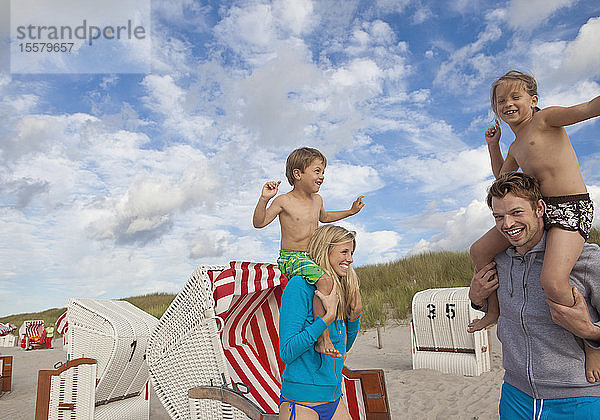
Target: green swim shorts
298,263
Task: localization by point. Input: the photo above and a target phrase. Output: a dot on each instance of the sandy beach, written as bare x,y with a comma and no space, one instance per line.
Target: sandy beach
413,394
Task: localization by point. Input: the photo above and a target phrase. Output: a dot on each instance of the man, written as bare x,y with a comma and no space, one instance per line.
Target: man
545,373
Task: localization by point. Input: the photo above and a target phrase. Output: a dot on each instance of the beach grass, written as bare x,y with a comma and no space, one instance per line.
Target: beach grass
386,289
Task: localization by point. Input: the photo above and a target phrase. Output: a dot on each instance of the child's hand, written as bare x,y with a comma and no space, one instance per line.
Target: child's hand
270,189
357,205
330,303
492,135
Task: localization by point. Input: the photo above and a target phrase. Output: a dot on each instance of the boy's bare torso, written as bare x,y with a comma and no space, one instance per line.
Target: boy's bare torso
298,219
546,153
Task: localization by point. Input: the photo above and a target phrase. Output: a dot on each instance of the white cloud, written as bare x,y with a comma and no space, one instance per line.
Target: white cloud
295,16
145,212
373,247
528,14
468,65
422,14
594,191
249,32
568,65
447,172
344,183
457,229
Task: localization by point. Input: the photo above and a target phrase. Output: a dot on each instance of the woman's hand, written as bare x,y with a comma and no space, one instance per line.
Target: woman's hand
330,303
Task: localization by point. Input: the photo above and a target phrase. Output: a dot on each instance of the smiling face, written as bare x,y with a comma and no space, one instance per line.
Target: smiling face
518,222
513,103
311,179
340,257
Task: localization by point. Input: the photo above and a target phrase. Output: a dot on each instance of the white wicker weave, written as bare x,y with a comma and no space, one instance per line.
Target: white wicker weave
440,339
75,388
185,351
115,334
8,340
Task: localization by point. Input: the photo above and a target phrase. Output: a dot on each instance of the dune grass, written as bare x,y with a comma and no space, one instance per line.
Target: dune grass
386,289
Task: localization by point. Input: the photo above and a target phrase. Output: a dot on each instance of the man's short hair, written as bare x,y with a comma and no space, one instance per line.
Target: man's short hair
516,183
301,159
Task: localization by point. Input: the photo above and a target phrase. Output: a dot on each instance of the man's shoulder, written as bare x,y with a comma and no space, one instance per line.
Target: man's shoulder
590,254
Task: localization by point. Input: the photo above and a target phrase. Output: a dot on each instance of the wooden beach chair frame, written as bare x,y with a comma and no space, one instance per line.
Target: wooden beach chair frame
6,363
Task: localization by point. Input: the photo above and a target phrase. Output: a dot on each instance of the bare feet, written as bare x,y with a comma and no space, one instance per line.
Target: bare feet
479,324
325,346
592,364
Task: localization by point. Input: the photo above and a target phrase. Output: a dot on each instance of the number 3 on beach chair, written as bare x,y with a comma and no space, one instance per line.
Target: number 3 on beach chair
215,352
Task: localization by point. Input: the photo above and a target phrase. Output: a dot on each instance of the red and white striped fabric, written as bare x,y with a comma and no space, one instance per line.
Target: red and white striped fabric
6,328
62,326
248,298
34,328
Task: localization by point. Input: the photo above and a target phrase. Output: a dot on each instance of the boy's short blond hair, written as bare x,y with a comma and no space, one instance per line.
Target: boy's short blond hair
514,76
301,159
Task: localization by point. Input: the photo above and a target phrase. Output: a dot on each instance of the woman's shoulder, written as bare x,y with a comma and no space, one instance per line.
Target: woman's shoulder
299,281
298,284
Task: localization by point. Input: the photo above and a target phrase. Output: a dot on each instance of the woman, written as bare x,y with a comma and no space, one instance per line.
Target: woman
312,382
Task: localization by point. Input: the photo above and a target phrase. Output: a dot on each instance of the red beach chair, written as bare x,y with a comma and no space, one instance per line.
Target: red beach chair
34,335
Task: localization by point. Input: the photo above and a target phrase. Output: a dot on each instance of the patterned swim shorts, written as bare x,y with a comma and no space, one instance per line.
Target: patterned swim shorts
570,212
298,263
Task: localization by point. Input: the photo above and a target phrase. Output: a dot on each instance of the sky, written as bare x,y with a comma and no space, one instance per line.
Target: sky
120,184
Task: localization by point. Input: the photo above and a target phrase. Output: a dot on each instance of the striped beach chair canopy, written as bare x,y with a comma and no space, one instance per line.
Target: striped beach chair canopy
6,328
33,328
62,326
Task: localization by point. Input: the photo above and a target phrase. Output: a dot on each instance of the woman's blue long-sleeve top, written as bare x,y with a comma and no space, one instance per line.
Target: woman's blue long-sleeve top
308,375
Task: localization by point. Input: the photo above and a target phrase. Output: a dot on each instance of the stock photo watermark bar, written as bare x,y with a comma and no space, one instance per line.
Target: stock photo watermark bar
80,36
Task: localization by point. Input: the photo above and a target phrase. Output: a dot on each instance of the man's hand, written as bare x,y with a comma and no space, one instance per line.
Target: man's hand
576,318
357,205
484,282
492,135
270,190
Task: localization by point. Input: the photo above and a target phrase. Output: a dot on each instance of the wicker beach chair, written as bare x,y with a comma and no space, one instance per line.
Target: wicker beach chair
114,335
33,335
8,340
6,329
5,374
215,352
439,334
62,326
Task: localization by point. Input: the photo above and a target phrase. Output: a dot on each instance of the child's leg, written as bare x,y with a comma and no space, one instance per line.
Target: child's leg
482,253
563,248
324,344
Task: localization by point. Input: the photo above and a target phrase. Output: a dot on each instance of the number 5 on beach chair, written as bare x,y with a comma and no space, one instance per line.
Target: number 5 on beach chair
215,352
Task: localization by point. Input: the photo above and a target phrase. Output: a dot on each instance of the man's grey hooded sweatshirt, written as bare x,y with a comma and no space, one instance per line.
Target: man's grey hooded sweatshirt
540,358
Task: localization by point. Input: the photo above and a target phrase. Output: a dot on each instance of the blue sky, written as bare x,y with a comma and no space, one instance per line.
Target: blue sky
113,185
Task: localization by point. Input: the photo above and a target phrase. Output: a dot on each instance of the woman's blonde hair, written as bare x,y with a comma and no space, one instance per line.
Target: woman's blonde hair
321,243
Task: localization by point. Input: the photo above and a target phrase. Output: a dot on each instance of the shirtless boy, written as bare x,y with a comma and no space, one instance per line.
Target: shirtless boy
300,212
543,150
